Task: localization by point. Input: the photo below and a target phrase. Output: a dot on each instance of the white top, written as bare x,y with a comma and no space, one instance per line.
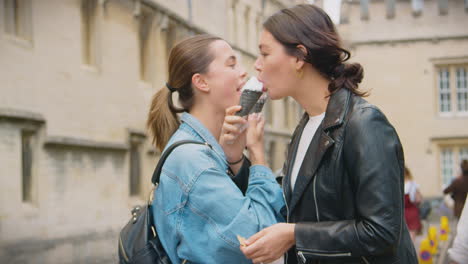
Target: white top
411,188
306,138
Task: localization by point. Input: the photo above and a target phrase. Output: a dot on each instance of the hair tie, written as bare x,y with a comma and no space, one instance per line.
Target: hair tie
172,89
338,71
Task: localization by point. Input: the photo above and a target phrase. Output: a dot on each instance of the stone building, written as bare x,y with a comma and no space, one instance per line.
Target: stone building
76,80
415,57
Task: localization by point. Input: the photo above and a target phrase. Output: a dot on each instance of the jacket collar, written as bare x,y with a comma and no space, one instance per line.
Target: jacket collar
336,109
199,129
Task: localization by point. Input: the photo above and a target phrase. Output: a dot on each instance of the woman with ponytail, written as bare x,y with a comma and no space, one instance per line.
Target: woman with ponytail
209,194
344,169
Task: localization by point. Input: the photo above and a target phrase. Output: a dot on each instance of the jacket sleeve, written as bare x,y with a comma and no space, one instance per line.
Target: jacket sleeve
374,160
224,212
450,188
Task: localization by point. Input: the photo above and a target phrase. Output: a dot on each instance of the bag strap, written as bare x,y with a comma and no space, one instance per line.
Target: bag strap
157,171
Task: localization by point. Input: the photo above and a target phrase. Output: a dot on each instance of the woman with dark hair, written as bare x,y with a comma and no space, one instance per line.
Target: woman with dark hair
209,194
343,181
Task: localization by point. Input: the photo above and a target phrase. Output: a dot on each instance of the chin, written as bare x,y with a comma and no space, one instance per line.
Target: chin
274,96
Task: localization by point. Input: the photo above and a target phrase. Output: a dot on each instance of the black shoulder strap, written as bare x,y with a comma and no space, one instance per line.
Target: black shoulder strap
157,171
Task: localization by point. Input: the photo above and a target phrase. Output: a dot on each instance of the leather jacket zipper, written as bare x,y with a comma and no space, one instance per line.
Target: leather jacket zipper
287,216
315,200
303,253
300,253
123,249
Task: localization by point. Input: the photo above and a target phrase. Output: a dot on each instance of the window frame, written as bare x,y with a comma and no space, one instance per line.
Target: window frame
458,151
20,20
89,15
459,90
452,67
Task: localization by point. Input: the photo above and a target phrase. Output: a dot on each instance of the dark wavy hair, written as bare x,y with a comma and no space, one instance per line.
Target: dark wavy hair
310,26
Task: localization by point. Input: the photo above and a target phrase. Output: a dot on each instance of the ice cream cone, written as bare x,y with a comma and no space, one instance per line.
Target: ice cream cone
259,104
251,92
247,101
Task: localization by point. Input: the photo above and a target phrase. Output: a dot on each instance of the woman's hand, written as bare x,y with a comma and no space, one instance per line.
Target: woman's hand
269,244
255,143
233,136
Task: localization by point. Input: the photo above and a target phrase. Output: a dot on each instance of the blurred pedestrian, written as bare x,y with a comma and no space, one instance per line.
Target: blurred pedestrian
458,189
413,198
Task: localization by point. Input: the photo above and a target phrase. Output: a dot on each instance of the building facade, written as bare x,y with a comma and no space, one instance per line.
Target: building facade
76,80
415,59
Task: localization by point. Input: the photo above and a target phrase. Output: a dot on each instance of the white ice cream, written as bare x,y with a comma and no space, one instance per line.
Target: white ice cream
253,84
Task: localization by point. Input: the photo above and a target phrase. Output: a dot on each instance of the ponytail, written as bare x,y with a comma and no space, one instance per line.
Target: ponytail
348,76
162,119
188,57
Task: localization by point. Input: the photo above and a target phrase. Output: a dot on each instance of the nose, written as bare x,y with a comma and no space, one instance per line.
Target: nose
243,73
257,65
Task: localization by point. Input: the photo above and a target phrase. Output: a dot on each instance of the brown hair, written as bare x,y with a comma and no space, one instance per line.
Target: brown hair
408,174
187,58
310,26
464,167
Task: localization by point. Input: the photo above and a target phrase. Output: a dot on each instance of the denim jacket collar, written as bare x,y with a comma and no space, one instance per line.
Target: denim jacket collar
203,132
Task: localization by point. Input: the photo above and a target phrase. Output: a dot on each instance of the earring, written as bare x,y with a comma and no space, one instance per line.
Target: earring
299,73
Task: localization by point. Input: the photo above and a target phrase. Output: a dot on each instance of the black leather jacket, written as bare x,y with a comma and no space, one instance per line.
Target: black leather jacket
348,197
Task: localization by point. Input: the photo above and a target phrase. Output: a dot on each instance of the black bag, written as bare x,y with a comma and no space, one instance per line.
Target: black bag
424,209
138,241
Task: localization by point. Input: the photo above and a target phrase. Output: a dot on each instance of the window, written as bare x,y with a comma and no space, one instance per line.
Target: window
135,164
271,154
444,91
462,90
27,159
171,35
452,87
247,27
286,108
390,7
364,9
463,154
89,32
234,22
450,160
146,46
18,18
417,6
446,159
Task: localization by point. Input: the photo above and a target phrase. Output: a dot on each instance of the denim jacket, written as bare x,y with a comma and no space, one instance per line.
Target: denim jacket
198,209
